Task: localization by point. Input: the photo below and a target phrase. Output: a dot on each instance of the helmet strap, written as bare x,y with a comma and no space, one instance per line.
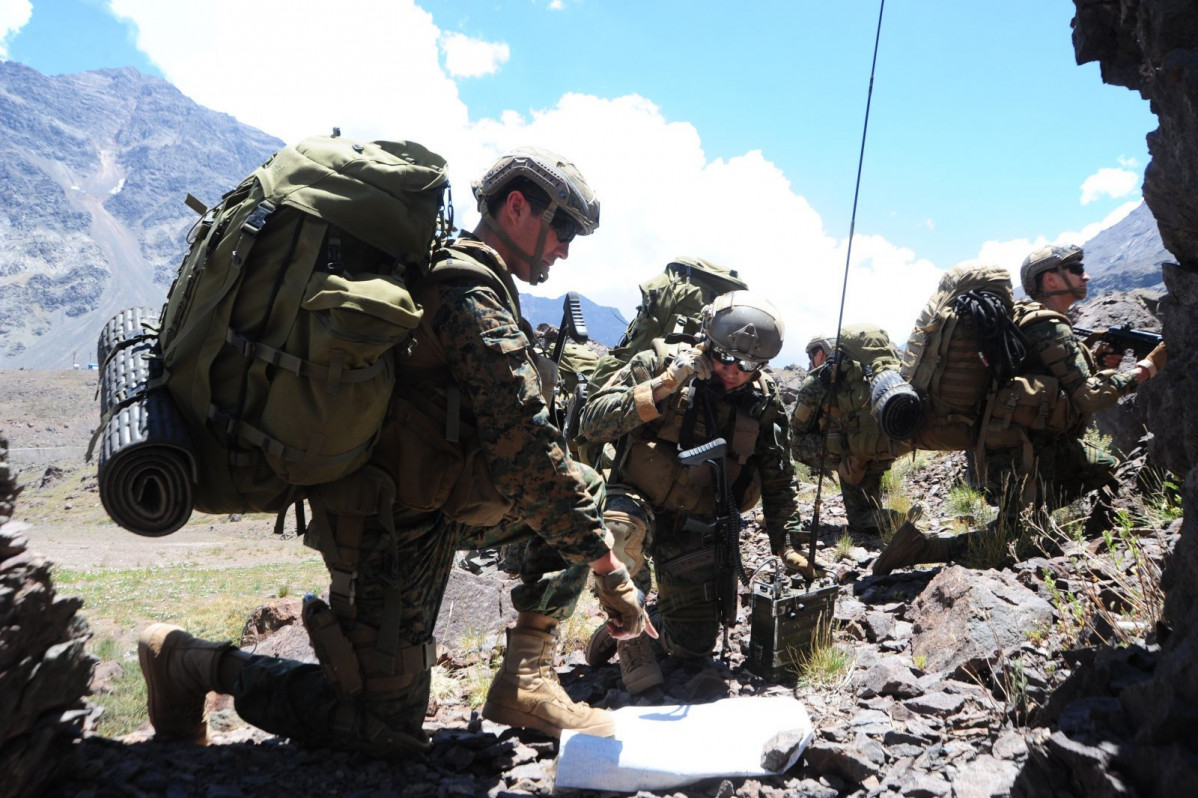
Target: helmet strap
537,271
1076,291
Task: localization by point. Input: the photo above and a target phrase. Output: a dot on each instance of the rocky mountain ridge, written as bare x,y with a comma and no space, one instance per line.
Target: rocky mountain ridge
94,168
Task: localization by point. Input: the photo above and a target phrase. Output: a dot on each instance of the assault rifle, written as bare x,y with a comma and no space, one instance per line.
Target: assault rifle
1121,338
723,529
574,327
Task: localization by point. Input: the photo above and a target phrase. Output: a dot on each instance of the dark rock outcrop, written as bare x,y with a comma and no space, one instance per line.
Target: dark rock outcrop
1151,46
44,672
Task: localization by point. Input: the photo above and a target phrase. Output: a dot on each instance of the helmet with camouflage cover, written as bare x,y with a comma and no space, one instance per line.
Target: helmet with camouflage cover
561,181
745,326
820,343
1045,259
547,179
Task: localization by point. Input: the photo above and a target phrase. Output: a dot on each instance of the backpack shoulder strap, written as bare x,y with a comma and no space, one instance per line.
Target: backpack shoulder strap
1028,313
472,260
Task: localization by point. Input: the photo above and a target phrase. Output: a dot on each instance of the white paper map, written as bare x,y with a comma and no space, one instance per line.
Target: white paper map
669,746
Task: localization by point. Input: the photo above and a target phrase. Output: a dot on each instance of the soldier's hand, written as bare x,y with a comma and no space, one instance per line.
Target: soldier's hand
1154,361
690,361
1106,354
795,563
624,605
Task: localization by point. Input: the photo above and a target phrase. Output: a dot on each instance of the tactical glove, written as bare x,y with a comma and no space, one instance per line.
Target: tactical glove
795,563
690,361
1155,360
622,601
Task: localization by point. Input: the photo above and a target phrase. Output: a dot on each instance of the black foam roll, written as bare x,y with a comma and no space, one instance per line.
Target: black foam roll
146,470
895,405
125,328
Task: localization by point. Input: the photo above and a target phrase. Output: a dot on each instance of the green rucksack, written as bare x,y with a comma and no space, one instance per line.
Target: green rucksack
671,308
278,333
963,347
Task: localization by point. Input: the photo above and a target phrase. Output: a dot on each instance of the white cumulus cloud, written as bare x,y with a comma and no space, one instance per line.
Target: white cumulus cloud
14,15
471,58
661,195
1109,183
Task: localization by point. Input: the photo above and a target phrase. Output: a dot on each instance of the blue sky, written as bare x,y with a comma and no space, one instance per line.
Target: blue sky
728,131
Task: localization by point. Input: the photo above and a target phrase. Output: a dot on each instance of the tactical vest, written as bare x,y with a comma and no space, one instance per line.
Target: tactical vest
648,456
430,441
1034,401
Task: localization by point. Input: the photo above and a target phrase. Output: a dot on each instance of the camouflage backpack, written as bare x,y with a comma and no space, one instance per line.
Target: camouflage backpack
963,347
671,308
278,333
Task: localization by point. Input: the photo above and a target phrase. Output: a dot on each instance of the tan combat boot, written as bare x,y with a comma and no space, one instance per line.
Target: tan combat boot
179,671
526,691
911,547
638,664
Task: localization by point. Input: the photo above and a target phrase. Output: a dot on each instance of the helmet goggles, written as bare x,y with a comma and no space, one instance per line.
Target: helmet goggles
728,358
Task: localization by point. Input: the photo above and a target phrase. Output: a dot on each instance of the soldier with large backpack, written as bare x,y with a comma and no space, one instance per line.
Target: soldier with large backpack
1037,452
465,445
833,427
674,397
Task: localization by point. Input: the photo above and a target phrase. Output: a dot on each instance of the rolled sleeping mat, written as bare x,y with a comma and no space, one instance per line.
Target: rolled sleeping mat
895,405
125,328
147,468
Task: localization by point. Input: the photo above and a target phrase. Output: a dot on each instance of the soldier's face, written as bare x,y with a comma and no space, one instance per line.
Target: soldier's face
524,228
730,375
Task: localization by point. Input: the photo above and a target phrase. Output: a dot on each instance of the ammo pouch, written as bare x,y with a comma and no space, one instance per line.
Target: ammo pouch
1033,402
434,473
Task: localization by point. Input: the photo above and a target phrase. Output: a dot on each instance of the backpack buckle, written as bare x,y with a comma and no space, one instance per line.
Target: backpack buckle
257,220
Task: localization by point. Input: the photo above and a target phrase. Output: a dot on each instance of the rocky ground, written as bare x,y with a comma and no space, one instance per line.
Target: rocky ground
953,681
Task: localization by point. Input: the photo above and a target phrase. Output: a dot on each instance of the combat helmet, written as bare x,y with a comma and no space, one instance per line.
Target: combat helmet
819,343
743,326
561,181
1046,259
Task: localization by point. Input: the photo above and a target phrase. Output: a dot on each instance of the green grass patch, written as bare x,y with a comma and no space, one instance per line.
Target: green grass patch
212,603
824,663
208,602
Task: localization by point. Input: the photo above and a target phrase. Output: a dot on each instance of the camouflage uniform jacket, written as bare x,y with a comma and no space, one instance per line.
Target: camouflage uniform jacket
1054,350
474,338
853,428
612,414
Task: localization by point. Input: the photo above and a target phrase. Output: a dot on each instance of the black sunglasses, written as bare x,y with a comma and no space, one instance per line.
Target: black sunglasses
727,358
565,227
1076,268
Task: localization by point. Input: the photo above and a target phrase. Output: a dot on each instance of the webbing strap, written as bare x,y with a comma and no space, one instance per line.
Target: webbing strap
333,374
249,434
343,572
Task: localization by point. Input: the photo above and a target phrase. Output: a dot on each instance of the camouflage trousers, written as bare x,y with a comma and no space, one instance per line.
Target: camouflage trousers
1064,469
395,597
863,502
688,615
